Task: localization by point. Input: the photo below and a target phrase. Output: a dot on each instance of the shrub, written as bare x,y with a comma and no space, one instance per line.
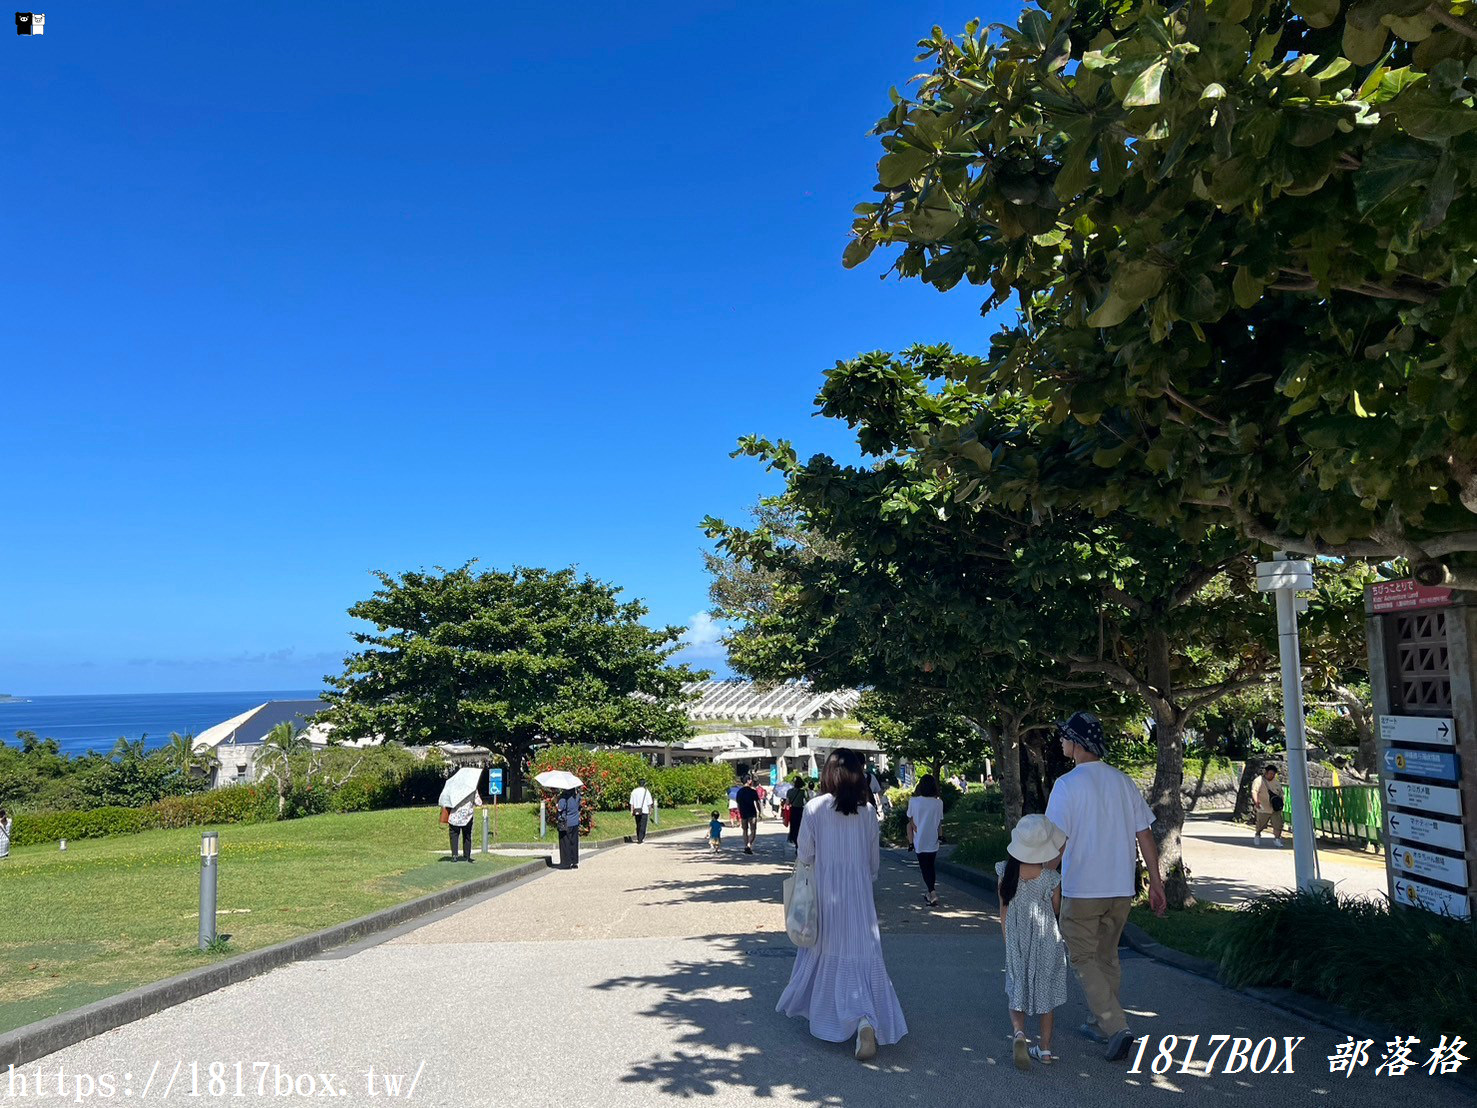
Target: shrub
48,827
1349,950
703,783
233,804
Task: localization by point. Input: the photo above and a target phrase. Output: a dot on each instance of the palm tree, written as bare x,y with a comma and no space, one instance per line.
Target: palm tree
283,743
181,755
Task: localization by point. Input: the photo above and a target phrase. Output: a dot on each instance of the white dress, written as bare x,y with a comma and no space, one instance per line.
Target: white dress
842,979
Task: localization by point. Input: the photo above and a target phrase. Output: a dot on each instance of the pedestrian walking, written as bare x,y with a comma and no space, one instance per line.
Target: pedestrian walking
568,809
799,797
715,834
840,985
748,809
459,823
1030,889
733,815
925,814
642,802
879,794
1103,814
1266,795
5,824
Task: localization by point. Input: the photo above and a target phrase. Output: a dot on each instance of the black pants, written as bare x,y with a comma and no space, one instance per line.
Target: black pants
926,867
641,818
569,848
465,831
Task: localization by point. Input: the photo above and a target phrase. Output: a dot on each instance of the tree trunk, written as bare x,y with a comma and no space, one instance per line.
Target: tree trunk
1166,797
1249,774
1010,768
1362,716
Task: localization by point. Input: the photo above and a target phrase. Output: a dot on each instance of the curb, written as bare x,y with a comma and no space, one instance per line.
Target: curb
36,1040
552,845
1318,1011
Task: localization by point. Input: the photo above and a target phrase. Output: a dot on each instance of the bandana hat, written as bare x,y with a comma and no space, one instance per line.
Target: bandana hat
1086,730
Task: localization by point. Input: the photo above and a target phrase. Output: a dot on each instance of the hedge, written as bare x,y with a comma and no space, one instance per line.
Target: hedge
235,804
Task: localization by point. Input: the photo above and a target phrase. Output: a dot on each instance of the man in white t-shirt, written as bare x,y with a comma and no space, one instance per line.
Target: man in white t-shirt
1103,815
642,802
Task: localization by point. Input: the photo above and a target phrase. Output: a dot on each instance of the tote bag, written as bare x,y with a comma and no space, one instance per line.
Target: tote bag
802,912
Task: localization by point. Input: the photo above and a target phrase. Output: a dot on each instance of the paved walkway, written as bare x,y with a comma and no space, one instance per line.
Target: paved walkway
1228,868
649,977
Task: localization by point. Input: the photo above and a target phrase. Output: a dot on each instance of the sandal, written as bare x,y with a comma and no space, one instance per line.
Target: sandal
1042,1055
1021,1048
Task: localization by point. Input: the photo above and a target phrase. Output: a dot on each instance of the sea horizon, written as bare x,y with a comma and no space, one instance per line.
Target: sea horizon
96,721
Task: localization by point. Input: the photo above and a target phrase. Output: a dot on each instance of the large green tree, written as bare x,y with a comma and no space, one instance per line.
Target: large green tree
950,567
506,660
1240,236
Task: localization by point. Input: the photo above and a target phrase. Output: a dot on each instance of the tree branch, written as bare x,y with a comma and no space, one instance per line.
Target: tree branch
1179,399
1220,692
1446,19
1193,584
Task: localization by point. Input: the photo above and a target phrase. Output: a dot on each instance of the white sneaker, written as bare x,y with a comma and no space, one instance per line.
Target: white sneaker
1256,840
1277,843
866,1040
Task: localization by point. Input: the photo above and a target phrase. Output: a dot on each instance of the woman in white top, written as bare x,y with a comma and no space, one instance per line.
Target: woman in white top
925,814
4,833
841,985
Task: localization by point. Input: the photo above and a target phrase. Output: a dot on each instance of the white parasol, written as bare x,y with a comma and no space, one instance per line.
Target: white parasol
559,779
459,786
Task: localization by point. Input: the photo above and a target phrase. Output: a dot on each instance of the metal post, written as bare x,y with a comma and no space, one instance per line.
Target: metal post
543,817
485,820
1284,577
209,852
1304,849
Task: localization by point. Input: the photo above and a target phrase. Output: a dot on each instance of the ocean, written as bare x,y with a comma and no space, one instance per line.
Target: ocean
83,723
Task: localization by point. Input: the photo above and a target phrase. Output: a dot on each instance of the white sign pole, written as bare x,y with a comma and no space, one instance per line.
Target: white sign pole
1284,577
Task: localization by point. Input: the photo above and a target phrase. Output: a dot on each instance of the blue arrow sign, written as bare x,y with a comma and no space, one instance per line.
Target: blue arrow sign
495,781
1421,763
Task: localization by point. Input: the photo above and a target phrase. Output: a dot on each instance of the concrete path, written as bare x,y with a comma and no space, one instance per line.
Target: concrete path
1227,867
649,976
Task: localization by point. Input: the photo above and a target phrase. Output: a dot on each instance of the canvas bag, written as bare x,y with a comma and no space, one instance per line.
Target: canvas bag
802,910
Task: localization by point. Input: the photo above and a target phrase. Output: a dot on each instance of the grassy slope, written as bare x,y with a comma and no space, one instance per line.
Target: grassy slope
110,914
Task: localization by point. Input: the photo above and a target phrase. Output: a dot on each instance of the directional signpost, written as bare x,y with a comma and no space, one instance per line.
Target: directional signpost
1432,730
1421,895
1421,763
1424,798
1426,832
1426,863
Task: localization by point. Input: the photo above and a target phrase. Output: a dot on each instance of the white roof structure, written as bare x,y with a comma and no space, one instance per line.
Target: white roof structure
794,702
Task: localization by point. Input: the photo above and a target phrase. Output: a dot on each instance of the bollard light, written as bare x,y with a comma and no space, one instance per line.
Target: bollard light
209,851
485,831
64,844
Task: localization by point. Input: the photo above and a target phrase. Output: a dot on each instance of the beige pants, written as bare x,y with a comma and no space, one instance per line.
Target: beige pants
1092,926
1264,817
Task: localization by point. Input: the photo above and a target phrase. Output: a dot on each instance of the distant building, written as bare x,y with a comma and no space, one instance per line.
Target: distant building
793,703
233,745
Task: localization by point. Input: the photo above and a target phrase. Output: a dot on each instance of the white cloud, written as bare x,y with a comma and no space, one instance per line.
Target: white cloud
702,641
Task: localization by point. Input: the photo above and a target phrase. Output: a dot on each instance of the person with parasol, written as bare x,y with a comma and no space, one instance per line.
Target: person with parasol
459,803
567,809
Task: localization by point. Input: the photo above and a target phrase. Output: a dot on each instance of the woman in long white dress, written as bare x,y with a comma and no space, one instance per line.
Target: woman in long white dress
841,985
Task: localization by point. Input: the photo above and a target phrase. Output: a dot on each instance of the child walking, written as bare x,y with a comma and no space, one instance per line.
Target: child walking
1035,956
715,833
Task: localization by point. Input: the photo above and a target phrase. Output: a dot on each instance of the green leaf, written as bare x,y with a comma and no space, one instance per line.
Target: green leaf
1108,457
1213,91
1145,90
857,251
1401,163
1317,13
1427,114
1439,193
1130,286
1246,288
1365,47
900,166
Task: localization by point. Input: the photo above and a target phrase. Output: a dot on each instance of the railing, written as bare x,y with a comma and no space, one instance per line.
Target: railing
1349,813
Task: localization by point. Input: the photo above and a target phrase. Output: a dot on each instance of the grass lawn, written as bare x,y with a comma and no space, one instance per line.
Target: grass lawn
1191,930
111,914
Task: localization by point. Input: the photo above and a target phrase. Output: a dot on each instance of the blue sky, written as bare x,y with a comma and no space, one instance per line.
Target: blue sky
302,291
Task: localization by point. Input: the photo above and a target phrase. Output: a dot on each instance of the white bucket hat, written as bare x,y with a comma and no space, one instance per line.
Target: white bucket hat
1036,839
